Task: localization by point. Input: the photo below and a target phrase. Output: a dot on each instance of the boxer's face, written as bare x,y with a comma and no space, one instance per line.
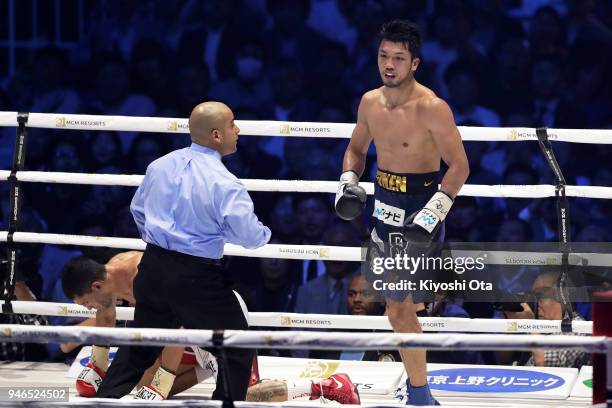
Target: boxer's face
395,63
97,298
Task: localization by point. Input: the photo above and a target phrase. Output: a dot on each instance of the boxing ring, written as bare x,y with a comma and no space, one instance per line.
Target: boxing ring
45,374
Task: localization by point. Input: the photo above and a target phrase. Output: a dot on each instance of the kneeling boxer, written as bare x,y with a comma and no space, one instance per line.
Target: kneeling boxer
98,286
93,285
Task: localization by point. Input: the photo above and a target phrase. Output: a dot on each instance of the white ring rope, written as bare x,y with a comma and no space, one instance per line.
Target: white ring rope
335,253
320,252
299,339
324,321
308,186
285,129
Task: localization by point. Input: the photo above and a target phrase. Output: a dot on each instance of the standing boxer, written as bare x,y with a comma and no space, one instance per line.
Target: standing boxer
413,130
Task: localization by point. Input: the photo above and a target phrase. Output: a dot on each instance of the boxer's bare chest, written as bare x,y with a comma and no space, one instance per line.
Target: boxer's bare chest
403,142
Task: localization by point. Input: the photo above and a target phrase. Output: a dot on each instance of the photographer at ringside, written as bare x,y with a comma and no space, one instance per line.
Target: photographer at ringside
549,307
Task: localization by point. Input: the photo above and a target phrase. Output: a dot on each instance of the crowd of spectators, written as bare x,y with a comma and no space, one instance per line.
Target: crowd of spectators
497,63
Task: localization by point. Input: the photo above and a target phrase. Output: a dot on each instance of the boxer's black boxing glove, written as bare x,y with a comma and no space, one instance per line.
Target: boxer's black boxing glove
350,197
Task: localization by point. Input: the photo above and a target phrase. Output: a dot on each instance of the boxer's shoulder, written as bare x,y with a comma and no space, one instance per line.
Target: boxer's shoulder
124,257
432,108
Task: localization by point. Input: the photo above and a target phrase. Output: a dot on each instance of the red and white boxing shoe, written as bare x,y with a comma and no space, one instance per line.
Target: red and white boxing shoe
338,387
89,380
148,392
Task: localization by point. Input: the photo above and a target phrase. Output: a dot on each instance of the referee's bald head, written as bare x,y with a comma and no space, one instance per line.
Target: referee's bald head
205,118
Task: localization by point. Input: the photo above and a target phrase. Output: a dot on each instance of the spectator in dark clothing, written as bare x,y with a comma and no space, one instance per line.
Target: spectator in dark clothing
249,88
464,91
191,85
329,83
290,37
327,293
104,149
66,155
54,92
313,214
149,70
509,81
361,300
146,148
547,33
550,108
282,220
462,224
215,35
278,289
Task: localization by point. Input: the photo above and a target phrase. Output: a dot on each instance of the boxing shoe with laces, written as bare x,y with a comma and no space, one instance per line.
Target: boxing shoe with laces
338,387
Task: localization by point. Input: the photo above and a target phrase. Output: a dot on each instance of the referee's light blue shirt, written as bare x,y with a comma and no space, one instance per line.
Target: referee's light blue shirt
189,202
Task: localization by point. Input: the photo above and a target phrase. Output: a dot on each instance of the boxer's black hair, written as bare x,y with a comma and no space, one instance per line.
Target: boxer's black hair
79,273
402,31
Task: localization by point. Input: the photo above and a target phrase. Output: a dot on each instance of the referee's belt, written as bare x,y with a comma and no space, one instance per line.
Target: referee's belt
187,257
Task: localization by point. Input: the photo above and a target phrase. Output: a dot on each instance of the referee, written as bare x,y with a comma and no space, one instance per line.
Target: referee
186,208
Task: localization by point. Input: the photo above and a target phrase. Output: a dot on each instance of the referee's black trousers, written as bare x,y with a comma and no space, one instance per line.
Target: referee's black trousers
173,290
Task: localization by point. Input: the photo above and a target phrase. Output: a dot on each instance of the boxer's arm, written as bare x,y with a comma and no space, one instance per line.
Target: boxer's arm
148,375
171,357
107,317
184,381
68,347
104,318
23,292
355,155
439,119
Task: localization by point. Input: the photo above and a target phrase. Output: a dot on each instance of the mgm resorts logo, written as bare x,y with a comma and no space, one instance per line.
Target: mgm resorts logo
65,311
63,122
516,135
433,325
175,126
287,129
516,326
288,321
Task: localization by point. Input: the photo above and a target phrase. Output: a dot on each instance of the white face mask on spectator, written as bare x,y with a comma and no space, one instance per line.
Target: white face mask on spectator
248,68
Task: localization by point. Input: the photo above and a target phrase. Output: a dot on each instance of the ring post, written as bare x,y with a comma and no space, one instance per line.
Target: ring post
563,221
14,211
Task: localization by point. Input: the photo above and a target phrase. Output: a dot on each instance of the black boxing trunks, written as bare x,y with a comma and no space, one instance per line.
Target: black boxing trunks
396,197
